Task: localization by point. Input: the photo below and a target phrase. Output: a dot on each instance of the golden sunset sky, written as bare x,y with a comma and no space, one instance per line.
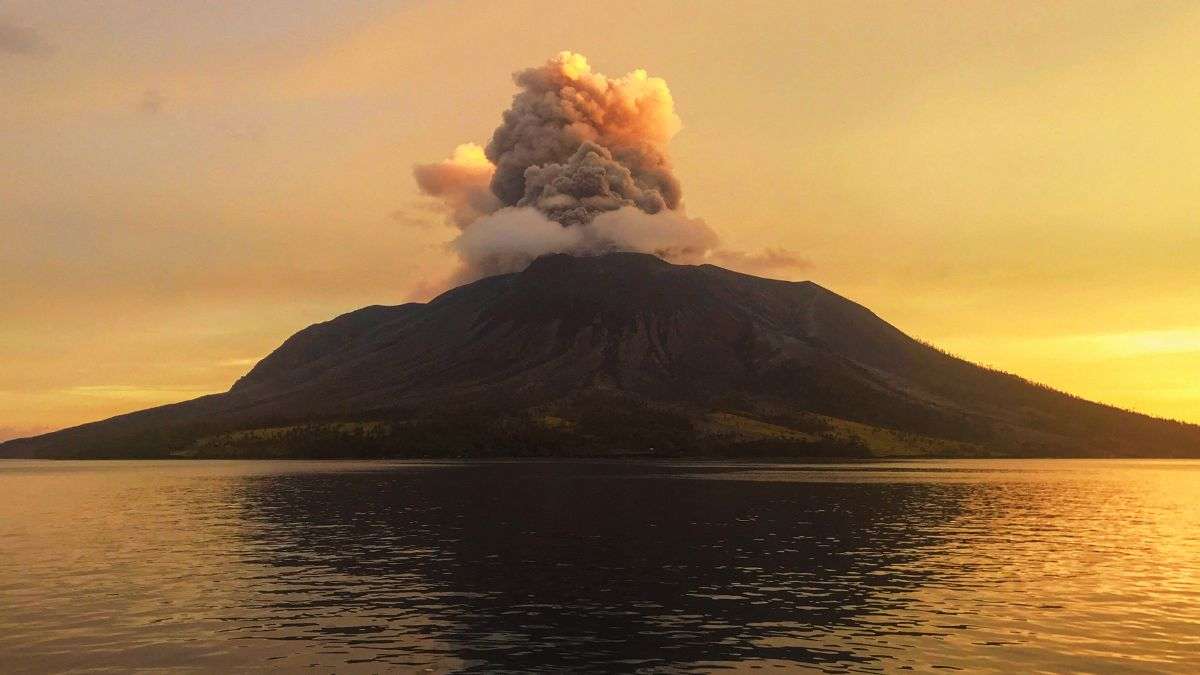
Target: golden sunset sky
184,184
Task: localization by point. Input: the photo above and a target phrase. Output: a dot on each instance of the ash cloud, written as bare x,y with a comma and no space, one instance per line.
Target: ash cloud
562,105
579,164
462,183
588,183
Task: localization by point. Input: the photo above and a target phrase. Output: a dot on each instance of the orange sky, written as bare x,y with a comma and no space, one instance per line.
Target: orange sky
186,184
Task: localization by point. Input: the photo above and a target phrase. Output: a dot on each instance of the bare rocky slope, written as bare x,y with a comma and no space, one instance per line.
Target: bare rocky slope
620,354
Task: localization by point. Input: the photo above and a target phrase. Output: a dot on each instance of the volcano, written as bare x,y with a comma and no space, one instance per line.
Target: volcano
620,354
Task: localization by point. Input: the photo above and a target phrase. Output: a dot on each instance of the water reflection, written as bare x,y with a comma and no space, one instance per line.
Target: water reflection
1027,565
558,567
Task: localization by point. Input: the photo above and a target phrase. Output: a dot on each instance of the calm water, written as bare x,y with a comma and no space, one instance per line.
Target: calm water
1007,565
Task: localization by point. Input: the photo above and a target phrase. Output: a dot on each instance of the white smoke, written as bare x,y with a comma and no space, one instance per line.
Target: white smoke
578,165
511,238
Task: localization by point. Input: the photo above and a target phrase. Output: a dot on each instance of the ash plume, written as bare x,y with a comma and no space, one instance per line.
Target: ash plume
461,183
588,183
562,105
579,165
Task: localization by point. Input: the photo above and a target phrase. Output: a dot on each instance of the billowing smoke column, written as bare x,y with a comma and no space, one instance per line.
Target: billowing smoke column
564,105
587,184
579,165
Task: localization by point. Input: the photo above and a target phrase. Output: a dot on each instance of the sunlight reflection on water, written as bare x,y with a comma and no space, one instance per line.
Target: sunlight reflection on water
569,566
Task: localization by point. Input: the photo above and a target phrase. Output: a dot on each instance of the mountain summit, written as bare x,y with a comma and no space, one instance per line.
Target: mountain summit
620,354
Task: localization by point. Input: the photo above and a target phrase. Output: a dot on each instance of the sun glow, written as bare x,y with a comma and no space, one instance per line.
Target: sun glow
1014,184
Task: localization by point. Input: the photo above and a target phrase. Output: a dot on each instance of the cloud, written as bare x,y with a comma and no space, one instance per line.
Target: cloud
670,235
21,41
589,183
562,105
1122,345
9,433
149,392
153,101
418,214
511,238
461,183
764,262
578,165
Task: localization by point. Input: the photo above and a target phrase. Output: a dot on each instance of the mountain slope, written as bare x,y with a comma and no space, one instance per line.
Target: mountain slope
622,352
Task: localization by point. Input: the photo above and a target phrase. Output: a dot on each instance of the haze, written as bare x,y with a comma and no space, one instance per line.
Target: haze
186,184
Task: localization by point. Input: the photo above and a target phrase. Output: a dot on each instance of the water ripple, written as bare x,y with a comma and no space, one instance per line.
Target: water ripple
669,567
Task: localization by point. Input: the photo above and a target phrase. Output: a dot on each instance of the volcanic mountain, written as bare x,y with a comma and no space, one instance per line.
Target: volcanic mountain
620,354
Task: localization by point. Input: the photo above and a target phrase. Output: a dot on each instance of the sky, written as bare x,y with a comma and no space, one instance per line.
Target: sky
185,184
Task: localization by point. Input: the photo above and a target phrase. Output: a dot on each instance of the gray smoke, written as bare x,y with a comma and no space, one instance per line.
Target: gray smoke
627,122
590,182
579,165
461,183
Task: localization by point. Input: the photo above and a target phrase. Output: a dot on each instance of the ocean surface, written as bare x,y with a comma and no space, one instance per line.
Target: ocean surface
1007,566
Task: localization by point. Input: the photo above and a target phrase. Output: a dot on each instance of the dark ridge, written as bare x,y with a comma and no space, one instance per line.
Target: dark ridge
621,353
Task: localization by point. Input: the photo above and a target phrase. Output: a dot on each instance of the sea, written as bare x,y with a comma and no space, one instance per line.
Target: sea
1055,565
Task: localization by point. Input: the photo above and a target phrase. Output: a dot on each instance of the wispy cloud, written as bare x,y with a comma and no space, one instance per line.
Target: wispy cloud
8,433
21,41
765,261
139,391
423,214
1092,347
152,101
1138,343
